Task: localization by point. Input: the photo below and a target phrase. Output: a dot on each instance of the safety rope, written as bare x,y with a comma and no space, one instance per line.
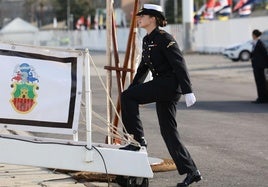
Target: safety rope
122,135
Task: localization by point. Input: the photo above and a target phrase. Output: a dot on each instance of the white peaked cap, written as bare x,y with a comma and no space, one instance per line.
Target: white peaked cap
153,7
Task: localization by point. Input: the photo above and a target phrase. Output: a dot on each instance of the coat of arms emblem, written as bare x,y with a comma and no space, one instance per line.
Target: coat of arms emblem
24,84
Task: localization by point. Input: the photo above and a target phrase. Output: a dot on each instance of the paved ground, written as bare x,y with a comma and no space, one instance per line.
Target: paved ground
225,133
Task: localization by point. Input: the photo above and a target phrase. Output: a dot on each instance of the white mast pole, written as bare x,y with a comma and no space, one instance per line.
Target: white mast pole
88,106
109,6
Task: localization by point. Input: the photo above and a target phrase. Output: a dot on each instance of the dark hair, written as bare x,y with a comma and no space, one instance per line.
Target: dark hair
160,21
256,32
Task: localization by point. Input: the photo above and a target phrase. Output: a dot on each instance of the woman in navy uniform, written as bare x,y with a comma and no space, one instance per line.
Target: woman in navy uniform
259,59
162,56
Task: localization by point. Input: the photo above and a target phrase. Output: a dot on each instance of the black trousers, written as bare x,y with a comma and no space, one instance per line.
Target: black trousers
260,81
162,91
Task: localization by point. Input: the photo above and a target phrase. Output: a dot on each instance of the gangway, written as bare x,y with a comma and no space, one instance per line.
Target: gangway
41,91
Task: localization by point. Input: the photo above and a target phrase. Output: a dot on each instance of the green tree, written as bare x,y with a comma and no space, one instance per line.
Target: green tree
78,8
40,11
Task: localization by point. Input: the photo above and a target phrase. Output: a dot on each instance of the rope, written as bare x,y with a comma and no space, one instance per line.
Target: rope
126,137
113,129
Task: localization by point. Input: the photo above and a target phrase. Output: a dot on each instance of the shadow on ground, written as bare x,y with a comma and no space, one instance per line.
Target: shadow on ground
223,106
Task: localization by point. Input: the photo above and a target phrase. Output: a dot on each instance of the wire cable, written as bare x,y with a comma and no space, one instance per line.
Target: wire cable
104,163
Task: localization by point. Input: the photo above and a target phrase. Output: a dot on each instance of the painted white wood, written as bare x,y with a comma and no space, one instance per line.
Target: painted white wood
70,155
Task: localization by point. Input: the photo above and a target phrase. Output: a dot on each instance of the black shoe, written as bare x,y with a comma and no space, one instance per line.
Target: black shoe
190,178
131,147
143,142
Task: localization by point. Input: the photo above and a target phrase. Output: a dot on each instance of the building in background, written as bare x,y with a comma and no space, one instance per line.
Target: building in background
43,12
39,12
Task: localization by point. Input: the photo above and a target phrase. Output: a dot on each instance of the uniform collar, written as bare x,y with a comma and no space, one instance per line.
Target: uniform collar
152,34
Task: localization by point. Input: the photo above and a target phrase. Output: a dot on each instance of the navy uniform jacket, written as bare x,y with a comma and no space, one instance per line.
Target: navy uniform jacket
162,56
259,55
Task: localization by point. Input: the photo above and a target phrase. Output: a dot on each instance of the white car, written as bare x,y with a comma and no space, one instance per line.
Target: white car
239,52
264,38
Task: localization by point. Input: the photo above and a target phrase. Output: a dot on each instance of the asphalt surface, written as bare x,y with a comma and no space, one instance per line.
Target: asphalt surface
225,133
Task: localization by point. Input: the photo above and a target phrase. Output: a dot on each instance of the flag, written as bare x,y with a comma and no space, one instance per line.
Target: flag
96,21
88,21
80,22
209,13
244,10
210,3
38,81
222,4
223,7
101,21
242,3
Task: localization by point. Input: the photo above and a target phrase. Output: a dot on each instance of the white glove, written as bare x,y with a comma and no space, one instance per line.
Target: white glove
190,99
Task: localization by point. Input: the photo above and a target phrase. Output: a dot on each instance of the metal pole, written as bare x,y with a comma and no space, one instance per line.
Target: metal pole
175,11
68,15
162,4
188,14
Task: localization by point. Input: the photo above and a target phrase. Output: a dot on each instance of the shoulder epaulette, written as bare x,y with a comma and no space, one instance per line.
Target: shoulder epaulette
162,31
